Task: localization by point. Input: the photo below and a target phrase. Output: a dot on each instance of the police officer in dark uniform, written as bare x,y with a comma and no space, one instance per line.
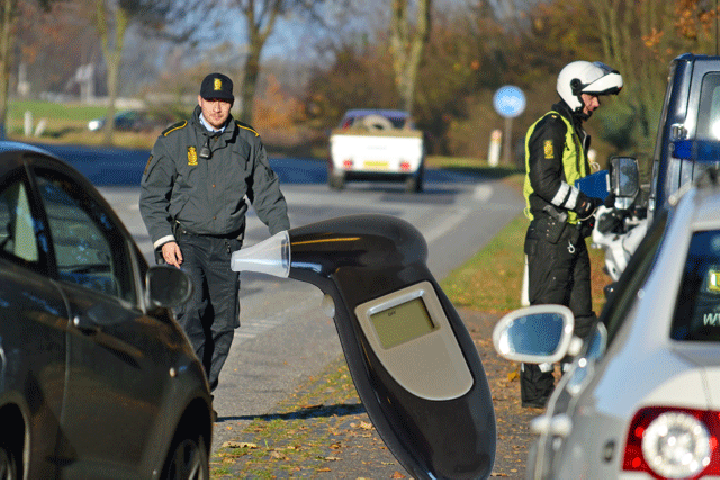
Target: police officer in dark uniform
555,157
195,191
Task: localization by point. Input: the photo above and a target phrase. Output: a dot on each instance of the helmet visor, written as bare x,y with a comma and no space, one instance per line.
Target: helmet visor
610,83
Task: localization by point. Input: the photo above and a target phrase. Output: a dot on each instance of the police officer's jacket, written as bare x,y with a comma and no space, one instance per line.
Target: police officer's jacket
555,156
208,196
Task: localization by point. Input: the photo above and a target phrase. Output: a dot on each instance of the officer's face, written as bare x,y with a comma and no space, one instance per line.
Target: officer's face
592,102
215,111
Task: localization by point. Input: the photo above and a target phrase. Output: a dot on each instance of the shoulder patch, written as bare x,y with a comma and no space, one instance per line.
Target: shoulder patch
147,165
247,127
548,149
173,127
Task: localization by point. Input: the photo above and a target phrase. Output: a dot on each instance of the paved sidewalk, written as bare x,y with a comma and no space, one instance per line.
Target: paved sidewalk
322,431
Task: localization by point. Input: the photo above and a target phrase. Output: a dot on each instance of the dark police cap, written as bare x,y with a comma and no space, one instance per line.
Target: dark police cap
217,85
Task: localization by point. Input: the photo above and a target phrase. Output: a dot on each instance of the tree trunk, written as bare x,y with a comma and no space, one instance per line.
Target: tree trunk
113,54
259,28
251,72
407,47
6,42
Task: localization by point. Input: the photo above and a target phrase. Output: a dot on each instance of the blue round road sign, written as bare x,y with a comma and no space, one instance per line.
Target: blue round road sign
509,101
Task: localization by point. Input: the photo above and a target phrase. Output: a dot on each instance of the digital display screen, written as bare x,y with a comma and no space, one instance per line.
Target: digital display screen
402,323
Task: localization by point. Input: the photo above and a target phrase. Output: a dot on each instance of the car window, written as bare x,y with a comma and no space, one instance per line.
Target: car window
697,313
708,126
17,227
618,307
89,249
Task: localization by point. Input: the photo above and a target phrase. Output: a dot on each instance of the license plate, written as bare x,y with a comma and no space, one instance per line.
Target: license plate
375,164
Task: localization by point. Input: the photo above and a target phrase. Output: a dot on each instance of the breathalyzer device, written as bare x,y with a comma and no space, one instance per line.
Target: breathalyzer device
413,363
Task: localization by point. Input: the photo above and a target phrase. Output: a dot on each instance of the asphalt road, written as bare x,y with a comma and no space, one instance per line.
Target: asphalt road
285,337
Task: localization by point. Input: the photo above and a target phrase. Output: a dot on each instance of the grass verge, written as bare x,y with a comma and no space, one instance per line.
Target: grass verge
315,429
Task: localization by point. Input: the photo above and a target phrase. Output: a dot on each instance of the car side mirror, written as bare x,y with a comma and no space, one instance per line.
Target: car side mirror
166,287
625,179
536,334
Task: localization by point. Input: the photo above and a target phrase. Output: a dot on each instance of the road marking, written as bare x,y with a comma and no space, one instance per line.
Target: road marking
483,193
448,223
253,327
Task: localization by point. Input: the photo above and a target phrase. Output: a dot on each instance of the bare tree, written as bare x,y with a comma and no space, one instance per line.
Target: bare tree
112,23
407,42
641,37
9,10
155,17
261,17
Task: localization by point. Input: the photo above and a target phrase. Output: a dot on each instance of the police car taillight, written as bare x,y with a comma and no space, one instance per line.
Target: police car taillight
668,442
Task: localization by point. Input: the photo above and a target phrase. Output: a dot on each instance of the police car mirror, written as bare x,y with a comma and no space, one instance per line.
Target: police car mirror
536,334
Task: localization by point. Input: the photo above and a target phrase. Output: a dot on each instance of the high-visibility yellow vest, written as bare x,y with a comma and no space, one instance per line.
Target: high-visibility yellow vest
573,160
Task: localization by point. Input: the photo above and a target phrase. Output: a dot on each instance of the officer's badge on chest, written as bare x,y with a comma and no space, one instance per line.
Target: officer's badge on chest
192,156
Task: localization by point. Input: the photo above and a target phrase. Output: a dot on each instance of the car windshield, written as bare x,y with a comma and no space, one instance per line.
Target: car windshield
697,314
392,119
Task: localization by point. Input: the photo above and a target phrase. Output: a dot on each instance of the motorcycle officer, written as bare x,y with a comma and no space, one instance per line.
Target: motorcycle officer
556,147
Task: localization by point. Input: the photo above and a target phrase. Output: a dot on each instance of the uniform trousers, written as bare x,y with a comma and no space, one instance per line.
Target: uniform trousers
559,273
210,317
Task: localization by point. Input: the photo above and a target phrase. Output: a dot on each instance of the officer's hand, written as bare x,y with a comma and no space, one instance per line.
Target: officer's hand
586,206
171,253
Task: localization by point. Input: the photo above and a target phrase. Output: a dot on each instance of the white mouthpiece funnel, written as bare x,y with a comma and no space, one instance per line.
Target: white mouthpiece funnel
271,256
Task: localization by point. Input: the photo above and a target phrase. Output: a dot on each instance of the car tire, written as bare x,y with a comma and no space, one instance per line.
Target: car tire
336,182
8,464
187,460
414,184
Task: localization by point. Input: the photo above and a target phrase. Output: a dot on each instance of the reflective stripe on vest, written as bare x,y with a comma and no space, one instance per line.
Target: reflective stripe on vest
573,160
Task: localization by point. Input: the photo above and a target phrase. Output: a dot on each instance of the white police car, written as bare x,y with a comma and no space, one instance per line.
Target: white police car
642,398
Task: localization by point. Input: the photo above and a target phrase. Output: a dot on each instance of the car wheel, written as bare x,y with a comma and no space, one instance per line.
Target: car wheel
8,464
414,184
335,182
187,460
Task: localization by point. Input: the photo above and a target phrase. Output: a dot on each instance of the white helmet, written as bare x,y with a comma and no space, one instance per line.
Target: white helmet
592,78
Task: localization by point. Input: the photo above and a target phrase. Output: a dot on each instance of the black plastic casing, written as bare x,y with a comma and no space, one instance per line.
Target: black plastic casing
358,258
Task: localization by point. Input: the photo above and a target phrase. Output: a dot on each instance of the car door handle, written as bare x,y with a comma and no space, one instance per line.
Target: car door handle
84,325
558,425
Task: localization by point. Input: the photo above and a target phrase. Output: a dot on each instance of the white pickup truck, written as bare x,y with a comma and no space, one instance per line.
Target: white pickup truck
376,145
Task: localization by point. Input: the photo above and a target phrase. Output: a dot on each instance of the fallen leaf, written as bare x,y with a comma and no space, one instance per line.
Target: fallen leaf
323,470
236,444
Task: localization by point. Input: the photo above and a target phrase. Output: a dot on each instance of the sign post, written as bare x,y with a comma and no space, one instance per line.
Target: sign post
509,102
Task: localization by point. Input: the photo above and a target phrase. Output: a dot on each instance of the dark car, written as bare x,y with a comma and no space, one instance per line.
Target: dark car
127,121
97,380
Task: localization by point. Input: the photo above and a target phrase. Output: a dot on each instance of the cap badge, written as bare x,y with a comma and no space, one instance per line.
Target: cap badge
218,84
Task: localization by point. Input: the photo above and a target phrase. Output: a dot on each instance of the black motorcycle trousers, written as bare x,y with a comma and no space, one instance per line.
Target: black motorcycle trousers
210,317
559,273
